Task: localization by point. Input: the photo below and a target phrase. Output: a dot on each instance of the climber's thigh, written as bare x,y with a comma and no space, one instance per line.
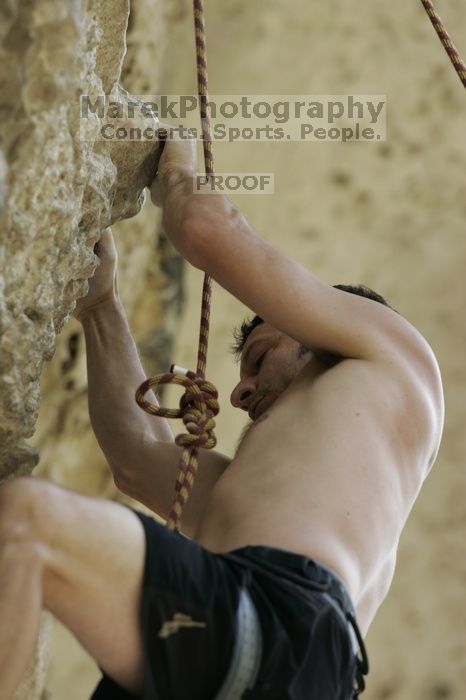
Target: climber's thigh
93,573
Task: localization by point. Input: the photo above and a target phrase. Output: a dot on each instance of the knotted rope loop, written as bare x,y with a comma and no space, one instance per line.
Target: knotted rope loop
198,406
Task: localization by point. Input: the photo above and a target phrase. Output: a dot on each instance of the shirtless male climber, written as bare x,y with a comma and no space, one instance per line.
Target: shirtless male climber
290,546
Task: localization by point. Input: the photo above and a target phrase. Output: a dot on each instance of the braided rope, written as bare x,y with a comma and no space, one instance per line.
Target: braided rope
445,38
199,404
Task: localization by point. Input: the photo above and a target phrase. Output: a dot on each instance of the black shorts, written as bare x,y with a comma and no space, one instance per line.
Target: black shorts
289,614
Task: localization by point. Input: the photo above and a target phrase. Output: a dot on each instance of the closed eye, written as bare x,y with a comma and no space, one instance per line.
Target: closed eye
258,362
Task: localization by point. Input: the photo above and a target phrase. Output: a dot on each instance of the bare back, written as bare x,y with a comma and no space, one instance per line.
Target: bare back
332,470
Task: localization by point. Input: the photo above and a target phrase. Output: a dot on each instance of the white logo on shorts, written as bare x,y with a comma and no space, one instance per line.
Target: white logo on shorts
179,620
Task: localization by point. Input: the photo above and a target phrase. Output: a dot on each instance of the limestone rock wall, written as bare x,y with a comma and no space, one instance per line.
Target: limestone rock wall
59,190
60,187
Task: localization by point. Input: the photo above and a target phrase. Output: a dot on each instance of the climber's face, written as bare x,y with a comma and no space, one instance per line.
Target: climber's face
270,360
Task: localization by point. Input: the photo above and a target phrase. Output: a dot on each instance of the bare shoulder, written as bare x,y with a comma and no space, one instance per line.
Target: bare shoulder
411,359
423,362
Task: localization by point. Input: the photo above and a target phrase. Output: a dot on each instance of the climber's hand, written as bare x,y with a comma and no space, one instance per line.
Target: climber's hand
173,188
177,165
103,286
187,212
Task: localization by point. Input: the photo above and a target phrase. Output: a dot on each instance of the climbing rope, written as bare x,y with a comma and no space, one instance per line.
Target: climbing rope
450,48
199,403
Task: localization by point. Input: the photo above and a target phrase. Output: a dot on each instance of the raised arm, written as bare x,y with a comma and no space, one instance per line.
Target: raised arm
113,365
139,448
215,237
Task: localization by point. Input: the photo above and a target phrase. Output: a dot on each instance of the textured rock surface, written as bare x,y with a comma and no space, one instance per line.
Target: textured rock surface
150,281
59,190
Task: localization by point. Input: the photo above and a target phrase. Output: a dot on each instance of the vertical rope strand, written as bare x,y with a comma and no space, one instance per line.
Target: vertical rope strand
189,461
445,38
198,405
203,94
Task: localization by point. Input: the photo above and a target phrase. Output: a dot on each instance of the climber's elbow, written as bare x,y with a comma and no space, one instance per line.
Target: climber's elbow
211,222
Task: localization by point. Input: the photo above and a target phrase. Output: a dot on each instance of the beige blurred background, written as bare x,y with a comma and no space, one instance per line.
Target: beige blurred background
390,215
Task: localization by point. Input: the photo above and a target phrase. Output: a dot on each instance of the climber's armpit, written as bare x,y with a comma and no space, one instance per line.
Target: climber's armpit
151,480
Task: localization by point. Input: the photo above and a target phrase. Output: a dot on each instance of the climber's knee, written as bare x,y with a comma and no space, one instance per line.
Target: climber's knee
24,503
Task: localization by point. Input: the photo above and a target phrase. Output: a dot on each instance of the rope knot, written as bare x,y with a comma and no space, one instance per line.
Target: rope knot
198,406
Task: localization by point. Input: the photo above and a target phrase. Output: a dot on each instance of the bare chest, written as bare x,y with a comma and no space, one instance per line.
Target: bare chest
330,470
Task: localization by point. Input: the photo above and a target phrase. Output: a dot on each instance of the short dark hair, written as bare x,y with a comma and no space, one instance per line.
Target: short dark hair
363,291
241,333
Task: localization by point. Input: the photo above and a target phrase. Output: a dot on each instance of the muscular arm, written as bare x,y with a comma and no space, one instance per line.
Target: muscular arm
114,372
287,295
214,236
139,448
